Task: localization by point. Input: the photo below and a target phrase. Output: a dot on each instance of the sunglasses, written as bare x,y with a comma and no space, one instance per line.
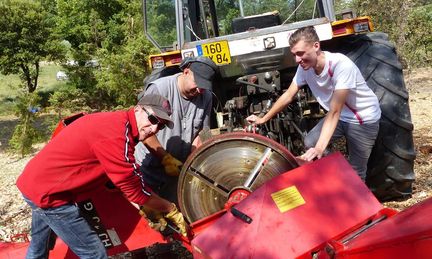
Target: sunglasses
154,120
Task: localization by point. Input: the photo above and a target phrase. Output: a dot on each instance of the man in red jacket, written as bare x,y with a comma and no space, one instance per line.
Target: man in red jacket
92,150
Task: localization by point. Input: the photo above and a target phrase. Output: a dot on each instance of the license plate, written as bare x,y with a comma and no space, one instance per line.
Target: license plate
217,51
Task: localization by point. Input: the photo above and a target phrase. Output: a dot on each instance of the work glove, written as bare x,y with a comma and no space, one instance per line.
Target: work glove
158,221
155,218
171,164
176,217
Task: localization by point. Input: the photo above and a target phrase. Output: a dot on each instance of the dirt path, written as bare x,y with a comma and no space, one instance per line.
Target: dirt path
15,216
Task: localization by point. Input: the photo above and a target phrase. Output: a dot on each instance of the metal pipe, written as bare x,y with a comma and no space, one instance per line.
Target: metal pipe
254,173
241,8
180,23
241,81
204,19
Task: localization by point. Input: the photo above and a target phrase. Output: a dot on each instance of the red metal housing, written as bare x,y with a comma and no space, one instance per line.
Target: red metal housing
293,215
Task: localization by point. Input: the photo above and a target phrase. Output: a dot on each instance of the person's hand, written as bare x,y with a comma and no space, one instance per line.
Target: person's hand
312,153
172,165
255,119
300,161
155,218
158,220
176,217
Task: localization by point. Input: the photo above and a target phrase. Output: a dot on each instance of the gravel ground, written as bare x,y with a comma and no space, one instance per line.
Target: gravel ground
15,216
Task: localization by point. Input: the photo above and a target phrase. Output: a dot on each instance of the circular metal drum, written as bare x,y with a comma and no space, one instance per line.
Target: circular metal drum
225,163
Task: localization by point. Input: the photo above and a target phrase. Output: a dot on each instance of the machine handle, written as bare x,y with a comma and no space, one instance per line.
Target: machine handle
240,215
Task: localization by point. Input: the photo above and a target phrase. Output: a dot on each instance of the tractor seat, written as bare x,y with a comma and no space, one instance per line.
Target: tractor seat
264,20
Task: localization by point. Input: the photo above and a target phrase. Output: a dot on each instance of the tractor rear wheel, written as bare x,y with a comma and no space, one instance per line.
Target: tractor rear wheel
390,169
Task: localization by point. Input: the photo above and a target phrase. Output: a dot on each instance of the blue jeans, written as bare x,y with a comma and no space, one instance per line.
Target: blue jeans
69,225
360,140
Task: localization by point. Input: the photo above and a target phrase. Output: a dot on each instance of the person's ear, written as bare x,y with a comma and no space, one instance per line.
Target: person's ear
187,71
317,45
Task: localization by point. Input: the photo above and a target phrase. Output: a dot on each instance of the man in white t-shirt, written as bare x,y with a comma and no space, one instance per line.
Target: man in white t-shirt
337,84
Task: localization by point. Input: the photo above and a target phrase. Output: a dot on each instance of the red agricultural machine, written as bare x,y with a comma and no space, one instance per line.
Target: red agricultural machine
273,208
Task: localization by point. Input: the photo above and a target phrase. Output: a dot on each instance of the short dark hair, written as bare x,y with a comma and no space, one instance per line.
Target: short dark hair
307,34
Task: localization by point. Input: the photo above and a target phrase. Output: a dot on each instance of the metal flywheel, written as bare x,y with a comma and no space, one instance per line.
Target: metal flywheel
227,163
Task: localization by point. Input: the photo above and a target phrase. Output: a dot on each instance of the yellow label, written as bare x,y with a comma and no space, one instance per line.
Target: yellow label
218,51
287,199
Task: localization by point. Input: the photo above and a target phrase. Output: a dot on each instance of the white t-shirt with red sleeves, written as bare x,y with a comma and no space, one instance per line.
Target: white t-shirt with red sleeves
361,106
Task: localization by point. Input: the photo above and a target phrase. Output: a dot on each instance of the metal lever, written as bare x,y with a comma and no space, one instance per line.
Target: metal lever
240,215
254,173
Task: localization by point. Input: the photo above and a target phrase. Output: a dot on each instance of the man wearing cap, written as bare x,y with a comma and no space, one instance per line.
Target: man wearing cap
189,93
92,150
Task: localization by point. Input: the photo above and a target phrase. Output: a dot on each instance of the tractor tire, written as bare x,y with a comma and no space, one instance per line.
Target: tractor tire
390,168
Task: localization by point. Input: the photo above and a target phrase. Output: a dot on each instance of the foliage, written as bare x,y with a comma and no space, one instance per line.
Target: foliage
25,134
226,11
26,38
11,87
409,31
226,23
162,21
84,25
108,49
124,70
340,5
68,99
417,50
125,66
389,21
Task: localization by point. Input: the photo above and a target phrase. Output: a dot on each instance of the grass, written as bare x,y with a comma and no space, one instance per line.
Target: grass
11,86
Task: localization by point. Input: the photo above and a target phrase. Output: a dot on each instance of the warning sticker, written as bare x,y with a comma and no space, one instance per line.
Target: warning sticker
287,199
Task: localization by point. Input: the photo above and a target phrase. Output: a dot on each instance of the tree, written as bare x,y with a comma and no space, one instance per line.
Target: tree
408,24
161,22
86,26
110,33
26,39
417,50
124,66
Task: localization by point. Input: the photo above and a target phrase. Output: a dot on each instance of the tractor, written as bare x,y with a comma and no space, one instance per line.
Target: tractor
256,66
248,40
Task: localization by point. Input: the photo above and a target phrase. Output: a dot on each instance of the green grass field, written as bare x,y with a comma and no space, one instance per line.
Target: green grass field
11,86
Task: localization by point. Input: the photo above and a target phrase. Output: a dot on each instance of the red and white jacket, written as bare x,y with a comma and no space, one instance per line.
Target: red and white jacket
92,150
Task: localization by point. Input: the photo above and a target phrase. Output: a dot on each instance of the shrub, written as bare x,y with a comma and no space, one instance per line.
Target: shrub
25,134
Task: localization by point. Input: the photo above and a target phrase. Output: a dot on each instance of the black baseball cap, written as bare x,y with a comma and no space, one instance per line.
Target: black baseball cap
204,70
160,106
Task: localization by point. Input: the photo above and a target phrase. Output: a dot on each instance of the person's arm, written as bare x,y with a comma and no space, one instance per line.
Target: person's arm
155,147
159,204
196,143
330,122
119,165
171,164
205,124
283,101
163,209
